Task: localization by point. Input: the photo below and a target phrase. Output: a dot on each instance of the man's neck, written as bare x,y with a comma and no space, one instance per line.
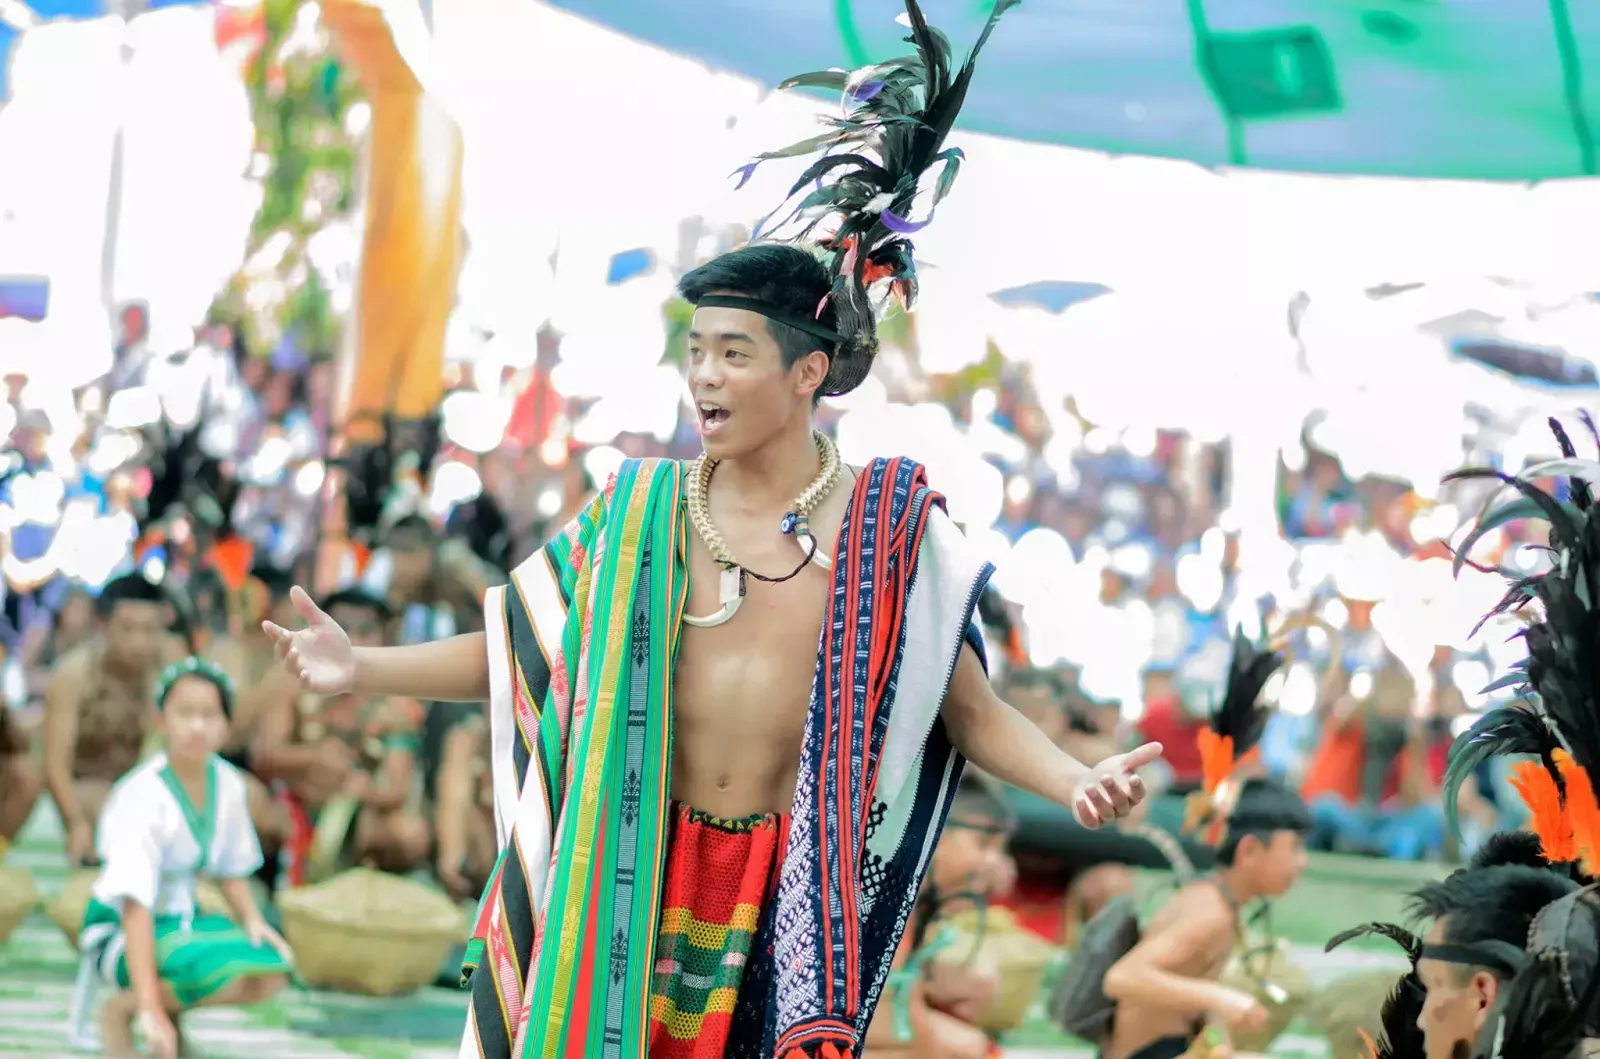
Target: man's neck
1238,886
769,478
115,669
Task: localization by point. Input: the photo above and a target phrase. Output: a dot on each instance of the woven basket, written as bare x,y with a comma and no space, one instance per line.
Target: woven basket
370,933
1019,956
18,897
1267,972
66,911
1345,1007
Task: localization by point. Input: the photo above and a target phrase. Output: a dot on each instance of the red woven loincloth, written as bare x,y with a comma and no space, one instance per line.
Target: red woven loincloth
720,876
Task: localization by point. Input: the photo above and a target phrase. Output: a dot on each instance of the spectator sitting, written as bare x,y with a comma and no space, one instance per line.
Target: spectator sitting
930,1007
357,750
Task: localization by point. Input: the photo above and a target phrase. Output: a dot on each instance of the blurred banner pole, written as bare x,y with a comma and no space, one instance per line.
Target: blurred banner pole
410,252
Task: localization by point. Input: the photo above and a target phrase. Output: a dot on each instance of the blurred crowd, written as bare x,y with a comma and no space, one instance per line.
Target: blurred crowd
168,508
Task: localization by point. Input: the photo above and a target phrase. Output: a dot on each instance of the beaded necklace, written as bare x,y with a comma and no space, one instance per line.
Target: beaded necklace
796,523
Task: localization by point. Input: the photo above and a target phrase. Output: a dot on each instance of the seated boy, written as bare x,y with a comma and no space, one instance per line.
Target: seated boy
1162,988
930,1005
1167,986
178,816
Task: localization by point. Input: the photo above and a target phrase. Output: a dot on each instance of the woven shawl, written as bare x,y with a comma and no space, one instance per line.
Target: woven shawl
581,644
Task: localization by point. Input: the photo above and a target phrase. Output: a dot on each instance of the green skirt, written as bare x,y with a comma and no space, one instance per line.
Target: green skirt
197,959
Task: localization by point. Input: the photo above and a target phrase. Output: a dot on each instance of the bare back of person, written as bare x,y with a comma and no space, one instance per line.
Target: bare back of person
741,691
1210,926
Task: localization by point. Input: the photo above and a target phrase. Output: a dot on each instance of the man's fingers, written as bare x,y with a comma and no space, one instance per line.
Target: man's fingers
306,607
1141,756
1136,790
1116,794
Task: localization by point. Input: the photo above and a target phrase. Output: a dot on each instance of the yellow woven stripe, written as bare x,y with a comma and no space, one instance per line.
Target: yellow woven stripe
703,935
685,1025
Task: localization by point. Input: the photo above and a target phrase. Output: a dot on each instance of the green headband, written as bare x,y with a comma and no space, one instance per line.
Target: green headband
195,667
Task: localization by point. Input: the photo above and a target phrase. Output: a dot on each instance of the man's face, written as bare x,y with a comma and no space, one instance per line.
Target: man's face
1458,1001
133,633
742,393
971,855
1274,865
413,562
363,625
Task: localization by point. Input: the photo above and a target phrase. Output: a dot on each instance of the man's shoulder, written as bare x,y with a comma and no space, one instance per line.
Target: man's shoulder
75,664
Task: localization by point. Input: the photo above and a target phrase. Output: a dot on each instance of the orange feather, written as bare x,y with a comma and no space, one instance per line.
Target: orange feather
1550,821
1216,758
1583,811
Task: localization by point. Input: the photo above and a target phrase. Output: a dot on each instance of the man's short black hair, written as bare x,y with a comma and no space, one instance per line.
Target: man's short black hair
1494,904
361,599
794,280
277,582
1263,809
413,526
129,588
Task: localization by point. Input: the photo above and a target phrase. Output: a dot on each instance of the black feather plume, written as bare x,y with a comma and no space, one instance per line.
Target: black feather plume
897,115
1240,715
1401,1038
1505,731
1562,669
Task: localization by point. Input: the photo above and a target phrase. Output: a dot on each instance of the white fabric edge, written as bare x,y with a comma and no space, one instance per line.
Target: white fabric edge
502,713
949,568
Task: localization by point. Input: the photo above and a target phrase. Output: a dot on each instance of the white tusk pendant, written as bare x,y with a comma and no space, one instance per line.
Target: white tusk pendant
812,547
732,597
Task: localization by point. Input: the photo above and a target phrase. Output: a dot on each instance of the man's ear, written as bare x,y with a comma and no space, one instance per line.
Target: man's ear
809,371
1486,988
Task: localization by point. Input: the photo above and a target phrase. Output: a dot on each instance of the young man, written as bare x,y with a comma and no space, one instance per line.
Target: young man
97,707
355,749
1167,987
655,671
1476,943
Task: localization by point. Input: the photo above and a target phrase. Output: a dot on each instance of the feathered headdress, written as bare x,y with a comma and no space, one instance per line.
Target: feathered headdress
1558,720
875,154
1235,728
1400,1038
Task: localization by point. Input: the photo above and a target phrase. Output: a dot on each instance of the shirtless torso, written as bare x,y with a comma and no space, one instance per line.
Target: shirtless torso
1190,937
741,690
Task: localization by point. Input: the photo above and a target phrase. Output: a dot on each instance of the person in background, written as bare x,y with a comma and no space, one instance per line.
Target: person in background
463,810
245,653
930,1005
98,704
20,782
180,815
362,747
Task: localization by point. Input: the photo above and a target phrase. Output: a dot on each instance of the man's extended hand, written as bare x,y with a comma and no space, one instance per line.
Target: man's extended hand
320,654
1111,789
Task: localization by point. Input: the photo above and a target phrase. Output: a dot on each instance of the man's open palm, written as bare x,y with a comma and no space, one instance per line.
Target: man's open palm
320,654
1111,789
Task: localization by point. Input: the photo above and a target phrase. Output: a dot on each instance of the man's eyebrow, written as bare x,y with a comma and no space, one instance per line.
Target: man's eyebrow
724,336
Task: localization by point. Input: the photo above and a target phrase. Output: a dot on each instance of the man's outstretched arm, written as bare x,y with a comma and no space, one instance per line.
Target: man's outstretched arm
451,670
1002,742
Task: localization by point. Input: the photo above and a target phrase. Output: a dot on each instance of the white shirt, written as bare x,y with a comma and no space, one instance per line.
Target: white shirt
150,852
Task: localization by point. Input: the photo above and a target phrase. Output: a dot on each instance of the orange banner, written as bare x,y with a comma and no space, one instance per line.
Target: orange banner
411,249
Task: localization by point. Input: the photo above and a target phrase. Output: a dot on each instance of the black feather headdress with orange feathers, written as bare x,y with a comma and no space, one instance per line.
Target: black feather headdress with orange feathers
1556,720
1235,727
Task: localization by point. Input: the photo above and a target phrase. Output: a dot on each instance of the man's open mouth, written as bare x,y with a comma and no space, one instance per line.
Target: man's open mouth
712,416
